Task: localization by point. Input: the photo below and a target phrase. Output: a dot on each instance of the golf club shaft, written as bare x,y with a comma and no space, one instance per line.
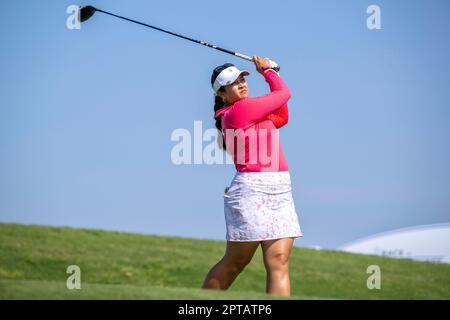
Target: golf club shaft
237,54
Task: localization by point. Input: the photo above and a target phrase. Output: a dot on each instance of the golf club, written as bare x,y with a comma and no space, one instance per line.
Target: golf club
87,12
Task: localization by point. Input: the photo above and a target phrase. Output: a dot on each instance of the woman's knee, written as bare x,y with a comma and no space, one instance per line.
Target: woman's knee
236,265
277,262
238,255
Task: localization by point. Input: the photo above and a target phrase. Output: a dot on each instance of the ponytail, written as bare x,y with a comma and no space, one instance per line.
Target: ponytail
219,104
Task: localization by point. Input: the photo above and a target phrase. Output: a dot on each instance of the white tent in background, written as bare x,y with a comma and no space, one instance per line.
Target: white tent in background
424,243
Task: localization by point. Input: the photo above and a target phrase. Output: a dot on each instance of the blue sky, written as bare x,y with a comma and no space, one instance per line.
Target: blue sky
86,115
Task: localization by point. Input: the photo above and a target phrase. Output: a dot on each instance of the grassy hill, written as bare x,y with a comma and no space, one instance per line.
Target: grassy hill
114,265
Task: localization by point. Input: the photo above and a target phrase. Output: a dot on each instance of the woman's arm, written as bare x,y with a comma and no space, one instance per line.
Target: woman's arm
251,110
280,117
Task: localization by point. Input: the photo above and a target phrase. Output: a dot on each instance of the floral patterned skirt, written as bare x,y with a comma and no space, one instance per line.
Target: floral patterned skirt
259,206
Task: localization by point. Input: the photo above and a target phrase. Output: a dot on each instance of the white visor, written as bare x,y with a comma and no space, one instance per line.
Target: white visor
228,76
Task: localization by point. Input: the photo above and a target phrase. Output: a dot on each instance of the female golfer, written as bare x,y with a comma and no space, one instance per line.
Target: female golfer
258,204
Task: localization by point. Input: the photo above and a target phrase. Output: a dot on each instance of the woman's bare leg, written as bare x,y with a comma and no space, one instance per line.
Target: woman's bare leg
276,260
237,256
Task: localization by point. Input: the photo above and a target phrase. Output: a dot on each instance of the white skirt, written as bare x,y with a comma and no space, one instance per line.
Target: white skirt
259,206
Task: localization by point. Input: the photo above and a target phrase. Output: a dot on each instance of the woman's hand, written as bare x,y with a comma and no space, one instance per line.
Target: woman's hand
261,63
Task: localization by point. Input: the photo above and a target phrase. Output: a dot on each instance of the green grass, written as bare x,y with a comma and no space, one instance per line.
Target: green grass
114,265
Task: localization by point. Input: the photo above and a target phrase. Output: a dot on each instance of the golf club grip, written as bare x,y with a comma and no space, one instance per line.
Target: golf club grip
243,56
240,55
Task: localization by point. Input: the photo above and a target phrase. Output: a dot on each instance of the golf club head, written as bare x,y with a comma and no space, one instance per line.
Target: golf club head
85,13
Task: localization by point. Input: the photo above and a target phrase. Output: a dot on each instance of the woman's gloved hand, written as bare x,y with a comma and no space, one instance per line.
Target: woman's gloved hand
263,64
274,66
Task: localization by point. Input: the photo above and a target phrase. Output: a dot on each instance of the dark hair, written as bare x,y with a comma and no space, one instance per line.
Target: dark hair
218,102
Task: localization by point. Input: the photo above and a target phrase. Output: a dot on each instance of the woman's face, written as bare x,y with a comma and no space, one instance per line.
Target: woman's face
236,91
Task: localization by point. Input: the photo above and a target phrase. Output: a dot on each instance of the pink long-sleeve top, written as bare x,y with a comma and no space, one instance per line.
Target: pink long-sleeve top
259,119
